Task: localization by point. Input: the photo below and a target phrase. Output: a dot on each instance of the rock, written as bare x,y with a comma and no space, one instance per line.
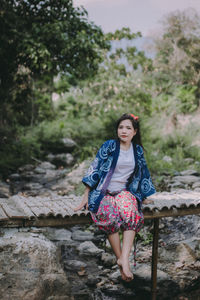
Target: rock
26,168
14,177
108,259
4,190
54,234
64,159
47,166
69,144
185,254
39,170
187,179
92,280
167,159
189,172
32,186
82,235
115,276
31,268
189,160
75,176
88,248
176,185
144,272
74,265
118,292
196,185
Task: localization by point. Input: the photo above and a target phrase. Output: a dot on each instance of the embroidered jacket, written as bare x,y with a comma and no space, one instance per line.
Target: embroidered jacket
100,172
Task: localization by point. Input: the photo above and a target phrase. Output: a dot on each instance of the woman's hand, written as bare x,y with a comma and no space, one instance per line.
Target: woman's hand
84,202
148,201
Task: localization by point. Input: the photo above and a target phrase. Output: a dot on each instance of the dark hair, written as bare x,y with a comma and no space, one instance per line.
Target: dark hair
136,125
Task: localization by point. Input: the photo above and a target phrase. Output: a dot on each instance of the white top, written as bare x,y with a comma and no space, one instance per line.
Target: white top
124,168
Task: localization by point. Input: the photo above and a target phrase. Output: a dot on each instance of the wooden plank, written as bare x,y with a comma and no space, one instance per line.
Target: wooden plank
58,222
56,207
21,203
3,216
41,211
172,213
11,210
68,208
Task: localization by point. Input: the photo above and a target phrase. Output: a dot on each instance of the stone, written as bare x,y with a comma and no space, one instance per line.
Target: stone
115,276
65,159
46,165
189,160
68,143
54,234
32,186
75,176
108,259
143,272
187,179
31,268
92,280
176,185
25,168
80,235
14,177
196,184
39,170
75,265
185,254
189,172
4,190
167,159
88,248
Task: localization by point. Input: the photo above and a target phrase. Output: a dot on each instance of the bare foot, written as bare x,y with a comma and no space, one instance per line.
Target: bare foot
124,265
122,273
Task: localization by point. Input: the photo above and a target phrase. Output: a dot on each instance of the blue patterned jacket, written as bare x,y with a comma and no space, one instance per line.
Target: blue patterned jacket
100,172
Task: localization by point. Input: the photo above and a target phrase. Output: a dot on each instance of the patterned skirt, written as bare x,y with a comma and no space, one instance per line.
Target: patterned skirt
118,212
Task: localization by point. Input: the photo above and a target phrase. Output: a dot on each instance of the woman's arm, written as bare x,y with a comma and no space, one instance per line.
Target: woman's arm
84,201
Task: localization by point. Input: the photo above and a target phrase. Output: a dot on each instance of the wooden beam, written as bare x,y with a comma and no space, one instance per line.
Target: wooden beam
154,260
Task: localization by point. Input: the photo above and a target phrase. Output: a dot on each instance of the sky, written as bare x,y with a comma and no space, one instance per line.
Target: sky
138,15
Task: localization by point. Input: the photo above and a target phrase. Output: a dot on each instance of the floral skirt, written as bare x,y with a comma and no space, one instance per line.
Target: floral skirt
118,212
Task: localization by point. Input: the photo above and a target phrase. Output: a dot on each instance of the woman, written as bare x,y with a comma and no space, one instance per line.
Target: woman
117,183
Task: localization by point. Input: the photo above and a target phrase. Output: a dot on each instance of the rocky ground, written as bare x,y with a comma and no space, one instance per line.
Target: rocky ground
76,262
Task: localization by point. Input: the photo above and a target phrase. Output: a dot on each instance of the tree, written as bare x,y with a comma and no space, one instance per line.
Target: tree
40,39
178,51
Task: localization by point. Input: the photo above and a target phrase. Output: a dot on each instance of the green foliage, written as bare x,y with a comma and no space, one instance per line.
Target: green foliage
40,39
156,90
187,98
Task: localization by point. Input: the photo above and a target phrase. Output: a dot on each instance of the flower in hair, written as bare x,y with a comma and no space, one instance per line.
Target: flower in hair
134,117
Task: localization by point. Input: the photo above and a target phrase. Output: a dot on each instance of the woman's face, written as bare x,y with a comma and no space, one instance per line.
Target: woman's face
126,131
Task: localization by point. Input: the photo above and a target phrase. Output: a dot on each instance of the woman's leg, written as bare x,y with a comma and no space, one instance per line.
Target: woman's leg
123,261
115,243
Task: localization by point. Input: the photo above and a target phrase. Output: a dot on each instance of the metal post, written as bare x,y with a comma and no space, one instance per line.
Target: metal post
154,259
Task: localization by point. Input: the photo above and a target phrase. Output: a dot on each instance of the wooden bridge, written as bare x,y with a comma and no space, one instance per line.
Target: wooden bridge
57,211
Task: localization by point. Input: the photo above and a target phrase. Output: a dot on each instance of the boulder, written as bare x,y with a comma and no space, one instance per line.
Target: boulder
189,172
4,190
30,268
80,235
69,144
167,159
64,159
47,166
108,259
88,248
187,179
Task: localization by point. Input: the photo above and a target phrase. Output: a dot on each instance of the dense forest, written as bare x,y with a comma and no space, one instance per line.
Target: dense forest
60,77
